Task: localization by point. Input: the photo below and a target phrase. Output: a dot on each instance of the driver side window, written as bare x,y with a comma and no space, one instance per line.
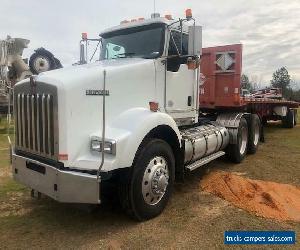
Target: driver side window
174,51
175,43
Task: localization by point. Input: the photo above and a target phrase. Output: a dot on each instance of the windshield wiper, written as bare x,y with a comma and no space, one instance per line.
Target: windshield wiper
123,55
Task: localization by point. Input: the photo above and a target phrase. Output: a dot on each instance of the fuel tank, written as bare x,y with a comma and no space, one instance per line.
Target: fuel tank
204,140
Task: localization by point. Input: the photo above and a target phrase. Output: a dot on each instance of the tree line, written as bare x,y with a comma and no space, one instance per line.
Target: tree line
280,79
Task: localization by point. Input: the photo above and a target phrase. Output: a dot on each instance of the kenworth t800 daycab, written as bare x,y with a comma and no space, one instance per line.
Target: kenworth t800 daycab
133,118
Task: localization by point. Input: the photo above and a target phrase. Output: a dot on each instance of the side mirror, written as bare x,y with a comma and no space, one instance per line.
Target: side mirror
195,40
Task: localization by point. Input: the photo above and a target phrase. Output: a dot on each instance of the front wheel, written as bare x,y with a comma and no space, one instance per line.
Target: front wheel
150,185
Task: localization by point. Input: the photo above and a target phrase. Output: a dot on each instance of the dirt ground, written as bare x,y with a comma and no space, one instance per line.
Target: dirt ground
193,219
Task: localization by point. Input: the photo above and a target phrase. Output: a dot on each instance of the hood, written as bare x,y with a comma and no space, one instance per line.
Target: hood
130,84
68,73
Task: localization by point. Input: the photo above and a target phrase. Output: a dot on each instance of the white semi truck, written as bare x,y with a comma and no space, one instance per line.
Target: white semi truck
132,118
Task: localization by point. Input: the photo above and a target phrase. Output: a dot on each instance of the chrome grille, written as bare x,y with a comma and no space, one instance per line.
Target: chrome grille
36,122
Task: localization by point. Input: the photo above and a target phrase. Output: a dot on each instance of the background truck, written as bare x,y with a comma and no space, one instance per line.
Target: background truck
138,118
14,68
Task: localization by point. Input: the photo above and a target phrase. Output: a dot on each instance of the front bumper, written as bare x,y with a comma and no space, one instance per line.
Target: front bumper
61,185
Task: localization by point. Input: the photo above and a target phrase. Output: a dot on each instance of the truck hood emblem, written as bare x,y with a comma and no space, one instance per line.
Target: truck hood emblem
97,92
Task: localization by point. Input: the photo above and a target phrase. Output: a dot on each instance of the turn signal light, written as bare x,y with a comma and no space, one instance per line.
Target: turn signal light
169,17
153,106
84,36
141,19
188,14
192,64
63,157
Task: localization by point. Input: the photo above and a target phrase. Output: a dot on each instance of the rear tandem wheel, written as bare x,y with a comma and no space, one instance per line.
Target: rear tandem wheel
254,133
237,152
289,120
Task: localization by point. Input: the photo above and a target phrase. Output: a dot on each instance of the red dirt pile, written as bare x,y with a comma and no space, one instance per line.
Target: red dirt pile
266,199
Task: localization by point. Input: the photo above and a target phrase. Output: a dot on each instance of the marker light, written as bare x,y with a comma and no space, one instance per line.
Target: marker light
153,106
141,19
63,157
188,13
84,36
133,20
169,17
125,21
191,63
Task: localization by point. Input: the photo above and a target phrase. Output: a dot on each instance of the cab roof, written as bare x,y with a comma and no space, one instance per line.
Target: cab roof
138,23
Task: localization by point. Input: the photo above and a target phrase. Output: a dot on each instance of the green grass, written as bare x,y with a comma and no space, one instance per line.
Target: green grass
7,185
10,187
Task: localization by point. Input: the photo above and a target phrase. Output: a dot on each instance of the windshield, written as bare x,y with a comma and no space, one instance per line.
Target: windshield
144,42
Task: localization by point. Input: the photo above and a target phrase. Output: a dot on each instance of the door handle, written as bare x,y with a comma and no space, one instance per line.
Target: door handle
189,102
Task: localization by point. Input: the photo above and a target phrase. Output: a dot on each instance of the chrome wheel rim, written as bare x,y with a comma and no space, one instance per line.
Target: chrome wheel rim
155,180
243,140
41,64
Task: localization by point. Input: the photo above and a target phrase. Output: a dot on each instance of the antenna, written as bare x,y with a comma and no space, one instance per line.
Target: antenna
154,7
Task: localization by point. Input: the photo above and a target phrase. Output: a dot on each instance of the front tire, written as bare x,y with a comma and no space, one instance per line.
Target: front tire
150,184
237,152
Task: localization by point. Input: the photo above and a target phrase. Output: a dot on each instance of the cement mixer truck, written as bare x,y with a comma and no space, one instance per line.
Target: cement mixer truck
14,68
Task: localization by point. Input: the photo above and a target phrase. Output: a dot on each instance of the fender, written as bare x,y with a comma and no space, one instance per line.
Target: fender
128,130
232,121
138,122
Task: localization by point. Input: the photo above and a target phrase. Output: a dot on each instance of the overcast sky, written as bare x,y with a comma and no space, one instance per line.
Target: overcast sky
269,30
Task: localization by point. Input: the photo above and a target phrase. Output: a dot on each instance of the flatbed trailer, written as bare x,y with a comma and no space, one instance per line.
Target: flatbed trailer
220,92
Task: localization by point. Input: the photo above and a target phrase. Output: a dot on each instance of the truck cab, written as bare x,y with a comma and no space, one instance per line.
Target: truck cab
131,117
164,43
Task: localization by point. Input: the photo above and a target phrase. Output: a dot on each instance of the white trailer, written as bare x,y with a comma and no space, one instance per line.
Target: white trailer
131,118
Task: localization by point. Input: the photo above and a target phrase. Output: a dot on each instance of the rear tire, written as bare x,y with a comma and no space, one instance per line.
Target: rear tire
289,120
254,133
237,152
149,187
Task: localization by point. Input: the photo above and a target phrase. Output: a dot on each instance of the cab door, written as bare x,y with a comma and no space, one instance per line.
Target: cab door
181,82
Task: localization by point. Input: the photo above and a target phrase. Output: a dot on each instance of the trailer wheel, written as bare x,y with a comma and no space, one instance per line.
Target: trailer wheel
254,134
237,152
289,120
149,187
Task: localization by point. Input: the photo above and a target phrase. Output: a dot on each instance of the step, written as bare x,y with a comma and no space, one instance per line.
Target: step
204,160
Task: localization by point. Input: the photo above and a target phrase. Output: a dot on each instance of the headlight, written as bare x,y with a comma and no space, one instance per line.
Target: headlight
109,145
